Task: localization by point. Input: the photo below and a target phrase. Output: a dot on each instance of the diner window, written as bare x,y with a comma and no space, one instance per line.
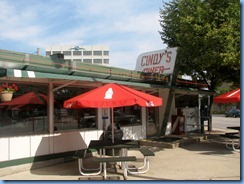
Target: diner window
182,101
26,113
83,118
127,116
153,114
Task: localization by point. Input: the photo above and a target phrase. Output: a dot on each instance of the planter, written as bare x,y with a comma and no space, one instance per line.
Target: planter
6,96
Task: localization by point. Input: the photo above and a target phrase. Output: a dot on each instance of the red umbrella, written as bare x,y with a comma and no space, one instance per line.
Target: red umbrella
110,96
26,99
230,97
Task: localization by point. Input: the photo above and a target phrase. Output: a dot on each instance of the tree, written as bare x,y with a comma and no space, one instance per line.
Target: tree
207,34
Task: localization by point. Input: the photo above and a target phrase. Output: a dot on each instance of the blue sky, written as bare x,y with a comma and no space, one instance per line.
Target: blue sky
127,27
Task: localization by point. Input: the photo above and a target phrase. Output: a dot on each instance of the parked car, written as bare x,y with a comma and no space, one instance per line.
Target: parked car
233,113
87,122
122,118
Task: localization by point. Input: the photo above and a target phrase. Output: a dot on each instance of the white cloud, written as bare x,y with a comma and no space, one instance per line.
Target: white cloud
142,23
15,24
127,58
21,33
128,27
69,37
104,8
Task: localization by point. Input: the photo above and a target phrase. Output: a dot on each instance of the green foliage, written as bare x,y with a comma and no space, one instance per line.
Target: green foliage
207,33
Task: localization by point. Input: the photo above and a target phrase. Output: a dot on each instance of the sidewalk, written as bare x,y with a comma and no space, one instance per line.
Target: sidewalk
205,160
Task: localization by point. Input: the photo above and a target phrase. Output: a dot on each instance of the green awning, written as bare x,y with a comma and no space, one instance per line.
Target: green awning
41,75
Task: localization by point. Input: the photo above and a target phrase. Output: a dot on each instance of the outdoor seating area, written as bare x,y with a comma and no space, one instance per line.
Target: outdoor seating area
97,152
168,164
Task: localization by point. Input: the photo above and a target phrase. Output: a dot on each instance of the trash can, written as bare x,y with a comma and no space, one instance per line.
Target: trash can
118,134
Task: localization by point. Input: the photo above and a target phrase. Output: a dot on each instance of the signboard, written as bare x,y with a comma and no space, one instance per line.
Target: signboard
159,61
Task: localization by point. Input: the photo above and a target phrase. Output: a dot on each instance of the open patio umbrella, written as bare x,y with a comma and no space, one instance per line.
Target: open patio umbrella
27,99
110,96
229,97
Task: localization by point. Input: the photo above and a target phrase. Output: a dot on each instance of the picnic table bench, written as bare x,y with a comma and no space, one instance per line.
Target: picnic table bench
140,170
231,140
105,160
114,159
232,133
82,154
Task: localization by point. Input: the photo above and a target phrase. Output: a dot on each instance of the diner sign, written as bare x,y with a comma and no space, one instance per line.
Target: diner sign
159,61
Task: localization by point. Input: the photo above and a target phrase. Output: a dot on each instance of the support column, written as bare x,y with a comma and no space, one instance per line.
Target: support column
201,119
167,111
209,115
51,108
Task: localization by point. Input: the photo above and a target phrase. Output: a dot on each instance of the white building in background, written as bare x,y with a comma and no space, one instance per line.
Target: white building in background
84,54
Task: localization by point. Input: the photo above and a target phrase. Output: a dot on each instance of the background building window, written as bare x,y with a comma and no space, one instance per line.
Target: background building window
106,61
97,61
67,53
77,60
97,53
87,53
105,53
87,60
48,53
77,53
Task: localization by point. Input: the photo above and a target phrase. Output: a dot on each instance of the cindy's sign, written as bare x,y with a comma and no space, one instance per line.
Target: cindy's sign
159,61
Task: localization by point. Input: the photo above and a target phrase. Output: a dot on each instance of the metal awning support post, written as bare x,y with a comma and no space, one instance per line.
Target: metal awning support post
200,119
51,108
209,115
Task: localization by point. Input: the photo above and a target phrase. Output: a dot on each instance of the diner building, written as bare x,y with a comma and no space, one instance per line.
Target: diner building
34,126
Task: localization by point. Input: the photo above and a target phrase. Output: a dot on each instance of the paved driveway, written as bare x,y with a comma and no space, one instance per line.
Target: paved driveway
220,122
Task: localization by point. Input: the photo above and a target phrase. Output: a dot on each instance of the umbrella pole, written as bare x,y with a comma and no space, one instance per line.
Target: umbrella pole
112,118
33,123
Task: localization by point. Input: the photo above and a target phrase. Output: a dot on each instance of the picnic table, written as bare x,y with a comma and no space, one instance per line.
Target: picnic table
234,128
231,138
122,145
